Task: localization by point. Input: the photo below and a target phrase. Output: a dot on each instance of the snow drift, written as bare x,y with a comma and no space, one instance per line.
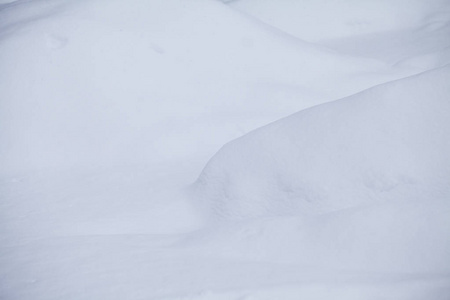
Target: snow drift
389,142
109,108
320,20
368,170
409,33
139,73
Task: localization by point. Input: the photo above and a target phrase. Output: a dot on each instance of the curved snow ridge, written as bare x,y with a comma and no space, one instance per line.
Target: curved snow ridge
115,65
322,19
389,142
407,36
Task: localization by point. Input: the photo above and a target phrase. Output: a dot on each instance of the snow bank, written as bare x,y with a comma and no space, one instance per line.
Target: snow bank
100,83
109,107
364,181
407,33
387,142
322,19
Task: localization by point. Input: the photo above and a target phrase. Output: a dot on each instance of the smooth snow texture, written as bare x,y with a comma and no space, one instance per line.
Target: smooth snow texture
340,18
388,142
102,83
412,33
372,168
110,109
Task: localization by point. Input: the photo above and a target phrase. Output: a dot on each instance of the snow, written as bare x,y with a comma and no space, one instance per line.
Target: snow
333,181
321,20
364,171
388,142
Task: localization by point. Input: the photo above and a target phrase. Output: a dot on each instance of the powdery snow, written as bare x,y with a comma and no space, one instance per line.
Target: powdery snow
110,109
358,173
388,142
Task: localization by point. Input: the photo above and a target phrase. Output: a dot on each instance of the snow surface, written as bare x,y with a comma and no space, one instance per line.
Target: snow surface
110,110
368,170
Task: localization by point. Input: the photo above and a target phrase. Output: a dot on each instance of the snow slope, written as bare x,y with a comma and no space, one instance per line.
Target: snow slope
109,110
320,20
107,93
385,143
413,33
368,170
128,70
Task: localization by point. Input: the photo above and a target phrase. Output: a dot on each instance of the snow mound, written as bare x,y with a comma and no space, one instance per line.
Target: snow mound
360,183
322,19
407,33
384,144
138,73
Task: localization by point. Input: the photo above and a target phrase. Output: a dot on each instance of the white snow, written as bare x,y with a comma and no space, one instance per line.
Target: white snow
368,170
388,142
110,110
